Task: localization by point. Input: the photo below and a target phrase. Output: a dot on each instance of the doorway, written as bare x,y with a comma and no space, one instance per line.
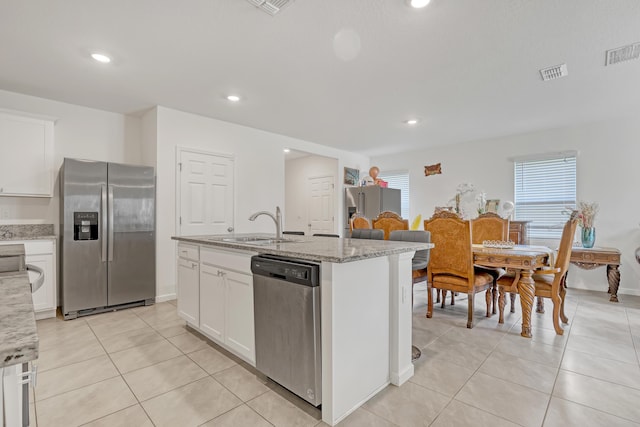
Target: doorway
310,193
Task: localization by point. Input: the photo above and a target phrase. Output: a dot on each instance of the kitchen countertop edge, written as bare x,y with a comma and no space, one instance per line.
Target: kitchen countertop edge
326,249
18,331
20,238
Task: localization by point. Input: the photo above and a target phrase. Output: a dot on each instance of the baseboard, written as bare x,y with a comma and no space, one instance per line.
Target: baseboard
628,291
402,377
165,297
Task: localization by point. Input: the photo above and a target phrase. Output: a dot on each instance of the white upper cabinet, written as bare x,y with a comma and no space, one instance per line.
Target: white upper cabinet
26,163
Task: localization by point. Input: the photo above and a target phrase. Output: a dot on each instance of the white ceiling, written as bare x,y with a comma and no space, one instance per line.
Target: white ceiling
467,68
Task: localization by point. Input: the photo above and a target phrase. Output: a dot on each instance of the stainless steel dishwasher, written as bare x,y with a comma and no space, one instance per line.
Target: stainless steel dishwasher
286,295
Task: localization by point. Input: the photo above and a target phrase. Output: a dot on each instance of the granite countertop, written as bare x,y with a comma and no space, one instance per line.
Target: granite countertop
27,232
18,333
312,248
20,238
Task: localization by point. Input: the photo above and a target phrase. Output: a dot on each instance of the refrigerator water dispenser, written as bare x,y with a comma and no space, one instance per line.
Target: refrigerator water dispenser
85,226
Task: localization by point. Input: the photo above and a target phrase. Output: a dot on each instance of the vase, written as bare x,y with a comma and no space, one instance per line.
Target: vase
588,237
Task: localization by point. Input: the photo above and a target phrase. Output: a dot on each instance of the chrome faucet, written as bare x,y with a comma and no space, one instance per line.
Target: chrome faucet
277,218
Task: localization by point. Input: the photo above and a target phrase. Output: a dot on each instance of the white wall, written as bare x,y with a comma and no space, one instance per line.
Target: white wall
297,173
259,163
607,172
80,132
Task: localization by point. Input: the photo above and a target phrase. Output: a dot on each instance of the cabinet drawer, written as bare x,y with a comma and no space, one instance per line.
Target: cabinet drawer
238,261
188,251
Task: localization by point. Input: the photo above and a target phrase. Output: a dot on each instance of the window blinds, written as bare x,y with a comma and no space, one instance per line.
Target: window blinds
399,179
544,190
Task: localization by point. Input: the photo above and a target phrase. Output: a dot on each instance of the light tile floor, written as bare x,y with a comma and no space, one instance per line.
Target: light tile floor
143,367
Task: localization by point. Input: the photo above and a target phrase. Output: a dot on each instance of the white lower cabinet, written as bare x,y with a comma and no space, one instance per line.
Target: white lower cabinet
222,307
188,289
41,253
212,301
239,314
13,407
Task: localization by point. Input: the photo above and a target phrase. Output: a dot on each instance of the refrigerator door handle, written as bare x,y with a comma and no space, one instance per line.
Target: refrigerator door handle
362,205
110,225
103,222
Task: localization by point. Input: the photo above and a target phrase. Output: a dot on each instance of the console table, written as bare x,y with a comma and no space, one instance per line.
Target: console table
590,258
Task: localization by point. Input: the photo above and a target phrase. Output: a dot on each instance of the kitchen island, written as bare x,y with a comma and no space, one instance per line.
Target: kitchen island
18,343
365,305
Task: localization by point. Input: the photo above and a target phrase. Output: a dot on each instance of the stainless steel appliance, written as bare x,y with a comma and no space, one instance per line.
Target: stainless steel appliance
108,236
370,201
286,295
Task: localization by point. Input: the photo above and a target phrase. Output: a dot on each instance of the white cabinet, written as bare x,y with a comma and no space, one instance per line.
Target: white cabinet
188,288
239,314
224,310
42,253
26,164
212,301
13,408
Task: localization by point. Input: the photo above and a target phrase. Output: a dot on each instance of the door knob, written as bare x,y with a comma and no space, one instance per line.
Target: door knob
230,229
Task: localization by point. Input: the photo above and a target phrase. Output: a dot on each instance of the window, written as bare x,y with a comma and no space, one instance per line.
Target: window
399,179
545,187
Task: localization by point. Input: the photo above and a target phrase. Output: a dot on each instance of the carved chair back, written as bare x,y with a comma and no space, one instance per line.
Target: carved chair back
566,242
390,221
359,221
452,253
489,226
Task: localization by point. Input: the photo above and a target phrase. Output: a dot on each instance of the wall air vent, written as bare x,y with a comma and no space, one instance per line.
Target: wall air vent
622,54
270,6
554,72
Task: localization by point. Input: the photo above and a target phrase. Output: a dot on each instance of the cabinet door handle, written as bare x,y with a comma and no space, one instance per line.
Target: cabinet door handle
193,265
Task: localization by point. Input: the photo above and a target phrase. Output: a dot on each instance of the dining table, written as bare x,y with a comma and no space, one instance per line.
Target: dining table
524,259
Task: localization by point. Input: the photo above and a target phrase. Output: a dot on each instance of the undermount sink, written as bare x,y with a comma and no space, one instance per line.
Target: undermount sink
252,240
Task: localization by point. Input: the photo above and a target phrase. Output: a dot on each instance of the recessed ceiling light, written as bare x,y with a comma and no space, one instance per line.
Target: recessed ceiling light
419,3
233,98
101,58
411,121
286,150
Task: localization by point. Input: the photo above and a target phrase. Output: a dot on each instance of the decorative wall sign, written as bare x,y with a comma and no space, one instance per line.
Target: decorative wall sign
351,176
432,170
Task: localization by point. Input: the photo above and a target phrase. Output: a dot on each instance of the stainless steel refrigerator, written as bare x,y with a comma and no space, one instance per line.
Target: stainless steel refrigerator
108,236
370,201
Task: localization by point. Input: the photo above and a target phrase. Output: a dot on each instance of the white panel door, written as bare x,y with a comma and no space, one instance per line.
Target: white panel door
206,193
321,196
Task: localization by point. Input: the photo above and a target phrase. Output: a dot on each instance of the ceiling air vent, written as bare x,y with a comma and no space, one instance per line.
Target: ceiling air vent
624,53
270,6
554,72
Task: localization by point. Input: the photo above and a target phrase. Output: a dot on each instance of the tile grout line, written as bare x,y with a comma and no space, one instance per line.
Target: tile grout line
564,349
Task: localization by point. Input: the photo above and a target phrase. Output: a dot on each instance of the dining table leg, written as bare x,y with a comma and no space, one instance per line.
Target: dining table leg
526,290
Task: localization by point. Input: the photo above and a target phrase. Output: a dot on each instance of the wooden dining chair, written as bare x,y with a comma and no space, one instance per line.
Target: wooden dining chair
491,226
549,282
389,221
451,261
359,221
